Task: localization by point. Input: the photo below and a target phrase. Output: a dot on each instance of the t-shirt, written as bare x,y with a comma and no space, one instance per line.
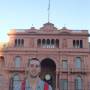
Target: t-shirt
40,85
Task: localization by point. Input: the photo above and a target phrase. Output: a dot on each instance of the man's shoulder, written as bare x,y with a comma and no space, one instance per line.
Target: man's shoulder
46,84
43,82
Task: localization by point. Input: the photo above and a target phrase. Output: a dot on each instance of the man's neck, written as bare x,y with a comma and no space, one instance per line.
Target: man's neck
33,80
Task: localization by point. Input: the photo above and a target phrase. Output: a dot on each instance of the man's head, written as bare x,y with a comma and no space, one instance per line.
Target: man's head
34,67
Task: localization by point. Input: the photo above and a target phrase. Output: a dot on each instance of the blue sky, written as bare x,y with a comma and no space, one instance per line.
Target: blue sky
21,14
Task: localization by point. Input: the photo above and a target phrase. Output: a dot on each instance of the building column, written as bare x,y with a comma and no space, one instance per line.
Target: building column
57,79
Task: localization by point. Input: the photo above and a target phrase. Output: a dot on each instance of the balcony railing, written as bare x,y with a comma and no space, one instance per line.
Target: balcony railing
64,70
79,70
12,68
74,70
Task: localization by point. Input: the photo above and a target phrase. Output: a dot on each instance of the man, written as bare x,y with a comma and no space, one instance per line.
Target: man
33,81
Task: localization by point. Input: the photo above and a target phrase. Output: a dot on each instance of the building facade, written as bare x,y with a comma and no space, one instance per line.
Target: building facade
64,56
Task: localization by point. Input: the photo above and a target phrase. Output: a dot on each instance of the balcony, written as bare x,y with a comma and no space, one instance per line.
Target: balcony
13,69
79,70
74,70
64,70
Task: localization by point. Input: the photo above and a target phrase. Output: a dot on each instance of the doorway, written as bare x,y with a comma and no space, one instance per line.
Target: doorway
48,72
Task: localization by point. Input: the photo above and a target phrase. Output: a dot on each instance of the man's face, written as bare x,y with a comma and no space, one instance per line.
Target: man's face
34,68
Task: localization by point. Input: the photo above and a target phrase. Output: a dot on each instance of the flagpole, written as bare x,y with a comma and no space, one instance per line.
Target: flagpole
49,11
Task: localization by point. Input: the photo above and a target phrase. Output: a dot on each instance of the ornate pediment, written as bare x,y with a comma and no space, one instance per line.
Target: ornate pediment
48,27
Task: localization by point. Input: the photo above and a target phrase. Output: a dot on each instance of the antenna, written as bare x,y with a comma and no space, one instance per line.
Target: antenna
48,11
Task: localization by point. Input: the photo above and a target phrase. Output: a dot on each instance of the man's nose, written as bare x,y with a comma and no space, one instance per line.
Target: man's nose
34,67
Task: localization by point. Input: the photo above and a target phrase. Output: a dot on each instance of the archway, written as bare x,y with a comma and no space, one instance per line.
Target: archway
48,72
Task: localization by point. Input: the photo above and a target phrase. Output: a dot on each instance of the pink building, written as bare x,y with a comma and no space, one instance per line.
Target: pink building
64,56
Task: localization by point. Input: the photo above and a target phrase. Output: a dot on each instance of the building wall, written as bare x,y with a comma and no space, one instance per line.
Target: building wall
24,45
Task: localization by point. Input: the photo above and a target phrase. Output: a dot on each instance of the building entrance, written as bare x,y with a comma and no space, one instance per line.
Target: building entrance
48,72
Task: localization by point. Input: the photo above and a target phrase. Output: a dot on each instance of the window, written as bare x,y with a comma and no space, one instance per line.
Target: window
65,64
78,83
64,84
81,44
78,43
52,43
16,83
16,43
19,42
48,43
74,43
2,61
78,62
39,42
43,43
17,61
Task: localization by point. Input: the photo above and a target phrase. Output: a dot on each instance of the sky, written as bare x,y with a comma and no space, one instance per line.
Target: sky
22,14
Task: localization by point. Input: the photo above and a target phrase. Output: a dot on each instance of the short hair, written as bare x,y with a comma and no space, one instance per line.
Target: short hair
33,59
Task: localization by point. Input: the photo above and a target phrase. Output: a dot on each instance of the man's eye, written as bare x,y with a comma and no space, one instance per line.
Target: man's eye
37,65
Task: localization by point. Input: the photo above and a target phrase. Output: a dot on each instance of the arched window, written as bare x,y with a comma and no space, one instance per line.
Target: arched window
16,85
48,43
17,61
74,44
39,42
78,62
2,61
43,43
78,83
81,43
16,42
52,43
19,42
78,44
